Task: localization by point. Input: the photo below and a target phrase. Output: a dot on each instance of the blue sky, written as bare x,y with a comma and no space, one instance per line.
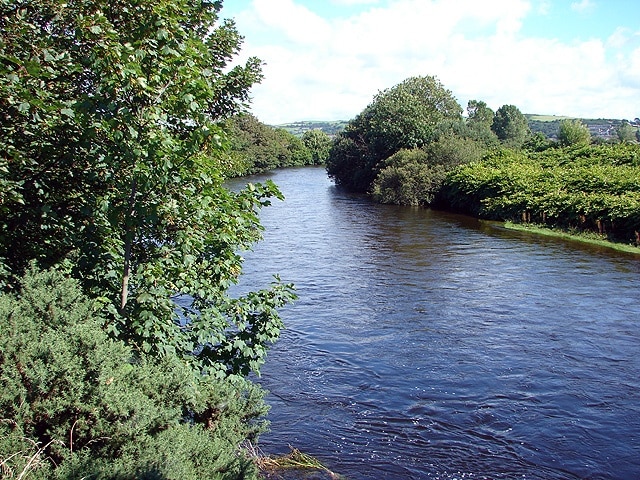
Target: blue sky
326,59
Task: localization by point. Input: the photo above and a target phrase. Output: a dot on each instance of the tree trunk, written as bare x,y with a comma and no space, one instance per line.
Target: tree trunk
128,242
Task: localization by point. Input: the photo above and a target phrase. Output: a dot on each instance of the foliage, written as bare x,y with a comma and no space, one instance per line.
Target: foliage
510,126
478,112
77,404
296,153
257,147
590,188
452,150
408,179
403,117
319,144
573,132
538,142
350,162
414,177
625,132
299,128
112,147
479,121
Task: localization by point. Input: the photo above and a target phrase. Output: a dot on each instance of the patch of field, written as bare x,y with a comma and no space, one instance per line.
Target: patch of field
547,118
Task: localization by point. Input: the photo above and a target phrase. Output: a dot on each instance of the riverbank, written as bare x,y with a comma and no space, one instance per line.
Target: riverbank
584,237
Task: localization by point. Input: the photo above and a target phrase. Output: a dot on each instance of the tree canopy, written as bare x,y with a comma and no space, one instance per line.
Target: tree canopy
625,132
256,147
111,146
510,125
112,153
573,132
403,117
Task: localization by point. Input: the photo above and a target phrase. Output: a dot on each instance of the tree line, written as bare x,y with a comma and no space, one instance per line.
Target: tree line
122,352
256,147
412,146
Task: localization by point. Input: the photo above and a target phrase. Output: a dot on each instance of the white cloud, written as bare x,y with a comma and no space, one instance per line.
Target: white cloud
354,2
583,6
543,7
329,70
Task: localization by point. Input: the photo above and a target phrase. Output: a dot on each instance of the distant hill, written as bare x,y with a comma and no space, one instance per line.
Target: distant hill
547,124
599,127
298,128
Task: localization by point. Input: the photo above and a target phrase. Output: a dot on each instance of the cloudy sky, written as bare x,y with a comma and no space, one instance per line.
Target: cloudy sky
326,59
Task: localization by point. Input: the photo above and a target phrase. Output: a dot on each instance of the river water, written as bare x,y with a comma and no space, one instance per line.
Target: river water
427,345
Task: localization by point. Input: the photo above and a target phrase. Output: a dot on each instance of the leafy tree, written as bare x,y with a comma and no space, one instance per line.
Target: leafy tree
350,162
479,121
479,112
319,144
414,177
408,179
111,146
257,147
573,132
253,144
403,117
294,152
538,142
626,133
453,150
510,125
77,404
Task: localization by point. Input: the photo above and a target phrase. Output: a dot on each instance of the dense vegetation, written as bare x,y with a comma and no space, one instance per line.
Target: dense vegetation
331,128
404,117
411,146
78,404
401,145
582,187
256,147
122,353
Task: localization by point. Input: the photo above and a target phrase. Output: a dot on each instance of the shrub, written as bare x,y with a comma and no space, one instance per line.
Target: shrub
408,179
77,404
573,132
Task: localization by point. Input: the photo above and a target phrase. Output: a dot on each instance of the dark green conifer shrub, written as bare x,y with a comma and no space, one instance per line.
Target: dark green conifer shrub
77,404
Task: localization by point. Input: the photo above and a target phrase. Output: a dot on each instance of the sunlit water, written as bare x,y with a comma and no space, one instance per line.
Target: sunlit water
430,345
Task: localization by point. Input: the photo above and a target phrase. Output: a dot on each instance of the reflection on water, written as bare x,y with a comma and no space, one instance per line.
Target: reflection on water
431,345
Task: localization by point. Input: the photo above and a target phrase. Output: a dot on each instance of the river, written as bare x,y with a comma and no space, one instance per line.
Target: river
428,345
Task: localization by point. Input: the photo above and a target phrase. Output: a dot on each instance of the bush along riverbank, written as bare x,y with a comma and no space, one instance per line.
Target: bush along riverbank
588,189
412,146
123,351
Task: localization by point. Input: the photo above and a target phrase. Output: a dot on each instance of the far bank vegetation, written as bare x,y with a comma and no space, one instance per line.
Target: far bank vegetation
412,146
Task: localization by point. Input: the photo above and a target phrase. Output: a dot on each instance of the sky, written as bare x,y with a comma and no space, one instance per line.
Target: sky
325,60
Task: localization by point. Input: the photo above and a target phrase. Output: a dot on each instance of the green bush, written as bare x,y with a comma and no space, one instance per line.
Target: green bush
573,132
593,188
77,404
408,179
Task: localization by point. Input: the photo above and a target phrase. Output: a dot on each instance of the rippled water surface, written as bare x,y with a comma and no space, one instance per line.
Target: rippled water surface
430,345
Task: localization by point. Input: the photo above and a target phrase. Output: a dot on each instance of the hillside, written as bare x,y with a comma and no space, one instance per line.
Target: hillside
600,127
547,124
298,128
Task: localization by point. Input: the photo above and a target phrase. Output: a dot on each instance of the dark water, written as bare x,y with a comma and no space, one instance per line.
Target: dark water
430,345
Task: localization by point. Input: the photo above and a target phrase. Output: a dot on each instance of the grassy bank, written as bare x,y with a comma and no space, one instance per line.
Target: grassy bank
585,237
